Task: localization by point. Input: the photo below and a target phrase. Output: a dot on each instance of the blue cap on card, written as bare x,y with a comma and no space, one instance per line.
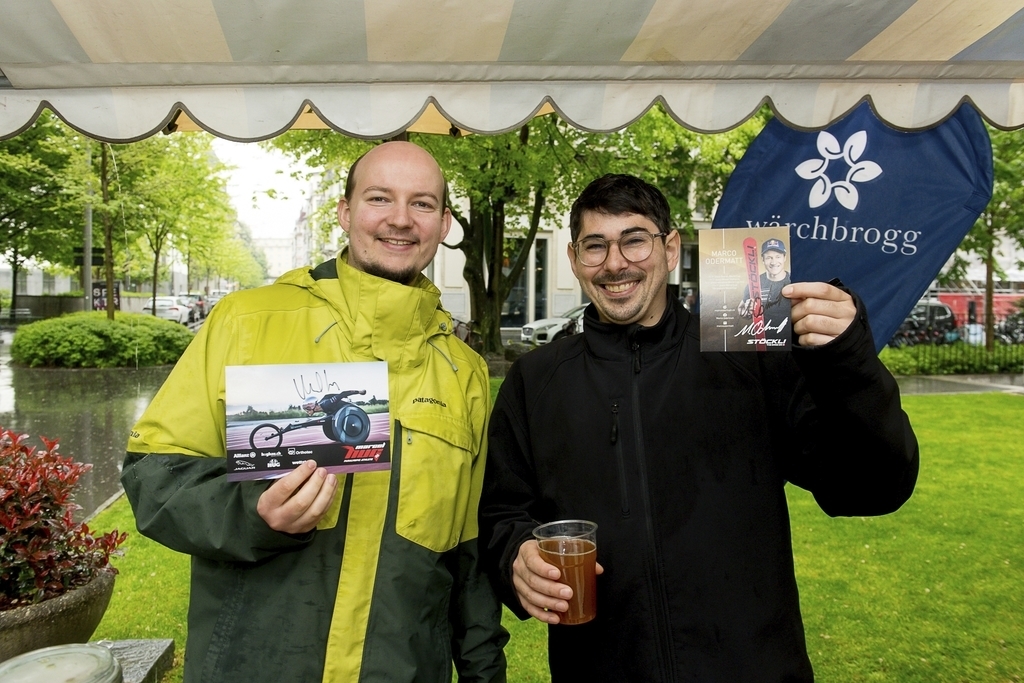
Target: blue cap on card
773,245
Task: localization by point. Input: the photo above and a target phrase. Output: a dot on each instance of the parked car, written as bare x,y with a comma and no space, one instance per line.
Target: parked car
168,308
193,310
200,303
215,296
548,329
929,322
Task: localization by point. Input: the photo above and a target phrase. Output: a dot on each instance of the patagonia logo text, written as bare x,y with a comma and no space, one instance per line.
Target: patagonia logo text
426,399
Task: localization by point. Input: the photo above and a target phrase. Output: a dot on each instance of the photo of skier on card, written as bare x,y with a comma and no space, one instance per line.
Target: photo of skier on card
742,274
775,308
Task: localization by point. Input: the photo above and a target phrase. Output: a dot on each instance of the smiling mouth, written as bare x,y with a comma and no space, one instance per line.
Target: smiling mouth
619,283
396,242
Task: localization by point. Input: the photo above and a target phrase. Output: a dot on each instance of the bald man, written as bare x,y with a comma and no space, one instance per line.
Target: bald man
319,577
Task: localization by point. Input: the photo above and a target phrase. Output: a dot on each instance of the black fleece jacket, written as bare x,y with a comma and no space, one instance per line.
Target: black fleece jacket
681,458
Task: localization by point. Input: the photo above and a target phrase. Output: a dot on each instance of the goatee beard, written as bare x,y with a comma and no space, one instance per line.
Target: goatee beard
402,277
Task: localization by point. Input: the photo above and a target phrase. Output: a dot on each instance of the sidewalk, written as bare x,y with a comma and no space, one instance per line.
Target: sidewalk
961,384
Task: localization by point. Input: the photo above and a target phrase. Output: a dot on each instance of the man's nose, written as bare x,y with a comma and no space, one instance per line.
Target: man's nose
401,216
615,259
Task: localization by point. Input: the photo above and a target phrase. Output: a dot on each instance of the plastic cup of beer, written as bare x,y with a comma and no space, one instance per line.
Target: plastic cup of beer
571,545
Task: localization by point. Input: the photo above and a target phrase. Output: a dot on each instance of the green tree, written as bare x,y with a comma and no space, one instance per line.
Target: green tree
235,259
256,254
1002,221
162,192
511,183
176,192
39,218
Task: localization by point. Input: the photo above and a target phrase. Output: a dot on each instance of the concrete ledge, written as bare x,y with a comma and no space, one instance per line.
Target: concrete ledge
142,661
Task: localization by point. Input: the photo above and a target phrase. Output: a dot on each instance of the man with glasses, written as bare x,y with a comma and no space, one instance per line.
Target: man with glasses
681,458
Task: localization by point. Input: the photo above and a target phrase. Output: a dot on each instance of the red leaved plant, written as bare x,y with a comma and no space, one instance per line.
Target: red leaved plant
43,551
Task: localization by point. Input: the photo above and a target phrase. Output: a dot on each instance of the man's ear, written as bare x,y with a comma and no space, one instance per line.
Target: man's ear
672,249
343,214
571,253
446,222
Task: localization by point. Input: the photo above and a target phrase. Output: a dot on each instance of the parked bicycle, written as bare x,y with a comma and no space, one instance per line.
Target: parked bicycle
1011,329
343,421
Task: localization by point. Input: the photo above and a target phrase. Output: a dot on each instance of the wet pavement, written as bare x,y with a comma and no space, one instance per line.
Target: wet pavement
92,411
89,411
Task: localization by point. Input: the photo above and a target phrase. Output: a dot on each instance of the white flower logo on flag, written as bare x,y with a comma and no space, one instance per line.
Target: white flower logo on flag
830,150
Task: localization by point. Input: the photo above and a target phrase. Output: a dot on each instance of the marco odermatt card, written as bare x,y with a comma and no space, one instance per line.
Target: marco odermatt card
742,273
279,416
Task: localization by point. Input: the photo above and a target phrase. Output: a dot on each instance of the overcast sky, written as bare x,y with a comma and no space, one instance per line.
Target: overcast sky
256,171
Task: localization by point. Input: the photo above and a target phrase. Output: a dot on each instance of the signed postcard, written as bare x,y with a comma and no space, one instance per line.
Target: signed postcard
279,416
742,273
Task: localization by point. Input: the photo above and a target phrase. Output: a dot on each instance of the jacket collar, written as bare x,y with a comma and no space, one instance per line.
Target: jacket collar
615,342
377,317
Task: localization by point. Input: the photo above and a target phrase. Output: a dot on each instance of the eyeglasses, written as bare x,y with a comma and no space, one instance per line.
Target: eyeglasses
634,246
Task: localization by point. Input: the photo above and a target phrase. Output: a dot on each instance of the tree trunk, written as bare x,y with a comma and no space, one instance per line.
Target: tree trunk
472,246
108,232
990,323
156,273
14,283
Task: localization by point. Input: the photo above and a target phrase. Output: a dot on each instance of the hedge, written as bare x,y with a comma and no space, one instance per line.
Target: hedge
954,359
89,340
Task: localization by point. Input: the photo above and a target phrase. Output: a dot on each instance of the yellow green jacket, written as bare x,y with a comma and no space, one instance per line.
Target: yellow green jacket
387,587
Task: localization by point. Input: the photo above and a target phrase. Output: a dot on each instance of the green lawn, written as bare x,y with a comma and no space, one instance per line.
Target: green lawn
933,592
930,594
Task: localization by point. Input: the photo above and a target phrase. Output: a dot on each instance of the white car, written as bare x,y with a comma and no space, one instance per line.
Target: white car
168,308
548,329
193,313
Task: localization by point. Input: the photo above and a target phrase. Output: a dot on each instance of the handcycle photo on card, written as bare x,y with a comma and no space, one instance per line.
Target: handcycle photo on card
279,416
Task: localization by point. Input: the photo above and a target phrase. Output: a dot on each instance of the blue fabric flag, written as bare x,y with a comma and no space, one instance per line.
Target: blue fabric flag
878,208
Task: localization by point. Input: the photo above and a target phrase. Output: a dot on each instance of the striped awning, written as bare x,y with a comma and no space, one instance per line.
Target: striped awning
250,69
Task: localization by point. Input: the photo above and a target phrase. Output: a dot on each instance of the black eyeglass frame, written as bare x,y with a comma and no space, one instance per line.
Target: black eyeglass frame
608,246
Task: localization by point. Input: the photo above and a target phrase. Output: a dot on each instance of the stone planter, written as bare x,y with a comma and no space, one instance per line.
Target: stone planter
68,618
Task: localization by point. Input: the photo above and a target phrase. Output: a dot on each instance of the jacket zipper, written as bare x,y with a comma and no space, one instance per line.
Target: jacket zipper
660,598
623,489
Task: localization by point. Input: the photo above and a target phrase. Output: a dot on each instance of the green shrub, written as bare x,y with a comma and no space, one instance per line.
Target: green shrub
953,359
89,340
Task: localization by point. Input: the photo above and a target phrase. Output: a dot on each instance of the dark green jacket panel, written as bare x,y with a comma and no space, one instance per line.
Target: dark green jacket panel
231,598
187,504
